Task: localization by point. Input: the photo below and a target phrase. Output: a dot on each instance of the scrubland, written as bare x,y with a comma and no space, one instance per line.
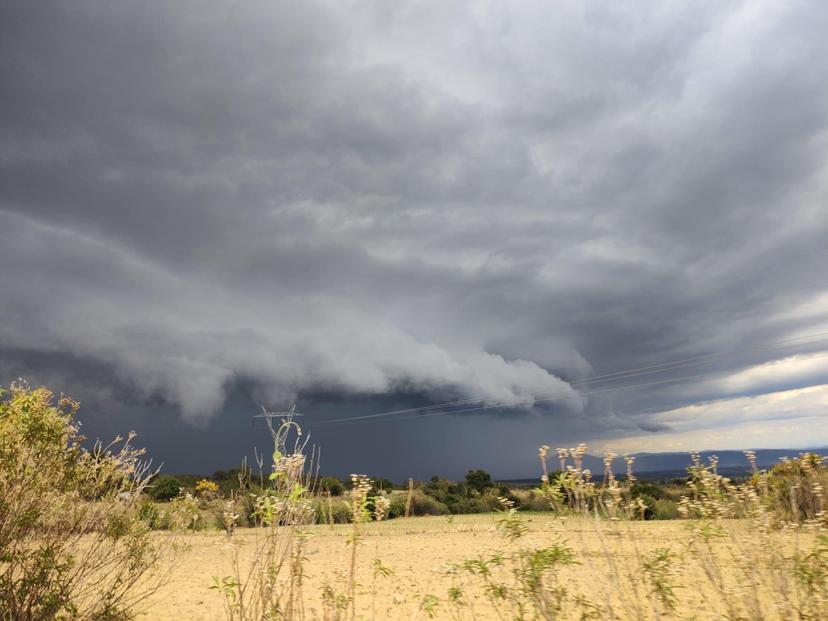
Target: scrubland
81,539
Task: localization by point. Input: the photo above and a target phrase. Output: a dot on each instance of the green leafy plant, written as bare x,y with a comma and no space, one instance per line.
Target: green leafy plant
428,604
658,571
74,530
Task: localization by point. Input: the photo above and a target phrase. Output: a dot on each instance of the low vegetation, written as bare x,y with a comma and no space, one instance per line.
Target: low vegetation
476,493
73,542
76,538
737,548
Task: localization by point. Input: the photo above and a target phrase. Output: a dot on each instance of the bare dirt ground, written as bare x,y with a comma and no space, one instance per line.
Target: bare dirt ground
418,551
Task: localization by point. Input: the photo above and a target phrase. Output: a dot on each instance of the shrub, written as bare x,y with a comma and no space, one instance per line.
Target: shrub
421,504
382,484
647,488
184,513
229,481
795,488
649,505
792,493
329,484
68,512
207,489
338,512
149,514
165,487
479,480
665,509
530,500
482,504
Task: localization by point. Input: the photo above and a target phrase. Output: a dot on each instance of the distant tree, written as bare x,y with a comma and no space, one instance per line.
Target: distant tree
165,487
647,488
332,485
383,484
479,480
230,481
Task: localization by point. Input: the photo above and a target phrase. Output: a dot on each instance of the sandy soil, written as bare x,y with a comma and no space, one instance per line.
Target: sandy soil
418,550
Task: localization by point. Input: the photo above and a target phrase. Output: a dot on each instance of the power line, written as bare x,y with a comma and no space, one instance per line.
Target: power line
419,415
810,339
694,361
503,405
648,370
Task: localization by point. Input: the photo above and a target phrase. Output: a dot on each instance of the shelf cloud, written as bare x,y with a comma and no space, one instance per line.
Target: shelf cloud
412,203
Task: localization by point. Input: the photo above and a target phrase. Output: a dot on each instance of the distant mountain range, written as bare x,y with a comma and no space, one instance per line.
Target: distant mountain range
673,465
728,460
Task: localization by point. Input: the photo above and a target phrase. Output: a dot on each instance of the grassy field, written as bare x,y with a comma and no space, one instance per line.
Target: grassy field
608,573
81,539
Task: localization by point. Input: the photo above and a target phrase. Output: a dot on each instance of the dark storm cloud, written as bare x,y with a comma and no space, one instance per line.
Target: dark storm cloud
380,199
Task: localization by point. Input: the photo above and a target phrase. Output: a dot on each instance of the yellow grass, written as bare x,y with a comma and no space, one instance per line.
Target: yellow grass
419,550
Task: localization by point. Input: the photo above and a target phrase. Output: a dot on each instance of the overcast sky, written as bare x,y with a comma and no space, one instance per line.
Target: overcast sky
363,206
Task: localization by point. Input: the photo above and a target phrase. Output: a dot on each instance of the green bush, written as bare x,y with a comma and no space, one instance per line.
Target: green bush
165,487
649,505
421,504
58,498
332,485
479,480
382,484
530,500
665,509
474,504
229,481
648,488
340,511
149,514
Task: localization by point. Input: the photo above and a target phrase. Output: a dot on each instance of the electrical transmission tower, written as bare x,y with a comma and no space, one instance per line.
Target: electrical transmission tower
284,417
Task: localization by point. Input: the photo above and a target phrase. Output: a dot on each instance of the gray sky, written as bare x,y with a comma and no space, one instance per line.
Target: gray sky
362,206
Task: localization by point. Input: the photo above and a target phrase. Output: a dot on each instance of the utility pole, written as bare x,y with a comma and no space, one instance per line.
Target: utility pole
410,495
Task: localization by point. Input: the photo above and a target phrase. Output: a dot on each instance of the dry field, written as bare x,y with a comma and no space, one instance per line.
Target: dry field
77,538
419,550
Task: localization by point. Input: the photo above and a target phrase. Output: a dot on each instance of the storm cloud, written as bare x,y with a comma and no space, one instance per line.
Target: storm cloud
373,204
